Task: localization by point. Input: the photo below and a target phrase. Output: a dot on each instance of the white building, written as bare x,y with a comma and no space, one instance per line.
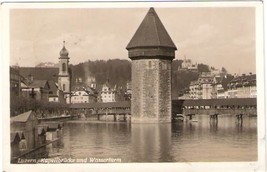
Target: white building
208,86
243,87
83,95
188,65
108,94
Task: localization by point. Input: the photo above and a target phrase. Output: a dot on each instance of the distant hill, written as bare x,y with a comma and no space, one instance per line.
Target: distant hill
116,72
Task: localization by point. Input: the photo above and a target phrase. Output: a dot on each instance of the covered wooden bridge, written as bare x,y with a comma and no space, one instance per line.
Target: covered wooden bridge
103,111
215,107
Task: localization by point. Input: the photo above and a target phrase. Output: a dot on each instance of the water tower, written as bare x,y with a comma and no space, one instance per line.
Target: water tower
151,50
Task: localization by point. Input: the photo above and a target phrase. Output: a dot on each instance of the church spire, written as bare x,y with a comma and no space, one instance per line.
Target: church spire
64,52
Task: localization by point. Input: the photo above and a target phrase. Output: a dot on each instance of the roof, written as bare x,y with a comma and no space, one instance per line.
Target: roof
52,89
39,73
151,33
217,102
63,52
19,135
13,136
38,84
22,117
244,78
122,104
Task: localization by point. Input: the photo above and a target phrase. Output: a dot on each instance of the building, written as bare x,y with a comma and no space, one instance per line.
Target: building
15,82
58,77
107,93
151,50
84,95
203,87
36,89
243,86
55,94
26,126
64,74
188,65
208,86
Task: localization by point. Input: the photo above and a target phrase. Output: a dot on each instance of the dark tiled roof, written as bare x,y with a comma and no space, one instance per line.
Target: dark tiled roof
38,84
217,102
122,104
52,89
151,33
243,78
14,136
39,73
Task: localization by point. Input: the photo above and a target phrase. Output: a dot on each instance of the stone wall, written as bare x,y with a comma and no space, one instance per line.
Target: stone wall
151,90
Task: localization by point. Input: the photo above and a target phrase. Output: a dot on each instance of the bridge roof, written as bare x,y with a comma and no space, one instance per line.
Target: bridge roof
122,104
217,102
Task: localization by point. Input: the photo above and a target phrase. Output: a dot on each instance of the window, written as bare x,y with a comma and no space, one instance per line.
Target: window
63,67
64,87
164,66
149,64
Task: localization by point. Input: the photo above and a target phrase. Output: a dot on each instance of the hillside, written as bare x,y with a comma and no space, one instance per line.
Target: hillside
118,72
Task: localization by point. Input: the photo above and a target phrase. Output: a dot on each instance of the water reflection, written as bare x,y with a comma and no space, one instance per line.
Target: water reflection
151,142
202,140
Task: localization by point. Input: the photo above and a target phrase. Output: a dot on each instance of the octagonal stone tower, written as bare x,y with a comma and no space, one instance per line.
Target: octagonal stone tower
151,51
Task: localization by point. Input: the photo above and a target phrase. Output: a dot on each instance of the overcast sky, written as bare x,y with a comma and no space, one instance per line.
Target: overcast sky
214,36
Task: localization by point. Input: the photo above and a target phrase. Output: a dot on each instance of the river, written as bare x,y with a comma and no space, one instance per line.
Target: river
199,141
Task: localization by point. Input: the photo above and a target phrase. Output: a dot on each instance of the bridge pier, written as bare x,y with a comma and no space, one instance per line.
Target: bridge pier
128,117
214,117
115,117
239,118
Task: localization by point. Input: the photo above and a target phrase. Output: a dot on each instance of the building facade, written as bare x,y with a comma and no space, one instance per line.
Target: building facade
36,89
188,65
242,87
208,86
151,71
83,96
15,82
108,94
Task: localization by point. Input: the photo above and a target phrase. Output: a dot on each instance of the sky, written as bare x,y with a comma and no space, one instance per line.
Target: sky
217,36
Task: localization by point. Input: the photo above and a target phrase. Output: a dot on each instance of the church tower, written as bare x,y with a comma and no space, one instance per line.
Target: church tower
151,51
64,75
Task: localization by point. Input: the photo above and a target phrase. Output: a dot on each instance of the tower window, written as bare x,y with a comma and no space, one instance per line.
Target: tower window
64,87
63,67
149,64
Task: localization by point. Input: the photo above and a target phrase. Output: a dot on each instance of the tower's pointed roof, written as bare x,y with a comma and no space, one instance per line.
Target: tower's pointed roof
151,33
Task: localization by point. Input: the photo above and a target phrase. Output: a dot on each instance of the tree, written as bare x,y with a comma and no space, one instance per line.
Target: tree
224,71
203,68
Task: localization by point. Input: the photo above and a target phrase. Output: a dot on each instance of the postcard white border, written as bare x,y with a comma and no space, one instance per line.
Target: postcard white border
192,166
